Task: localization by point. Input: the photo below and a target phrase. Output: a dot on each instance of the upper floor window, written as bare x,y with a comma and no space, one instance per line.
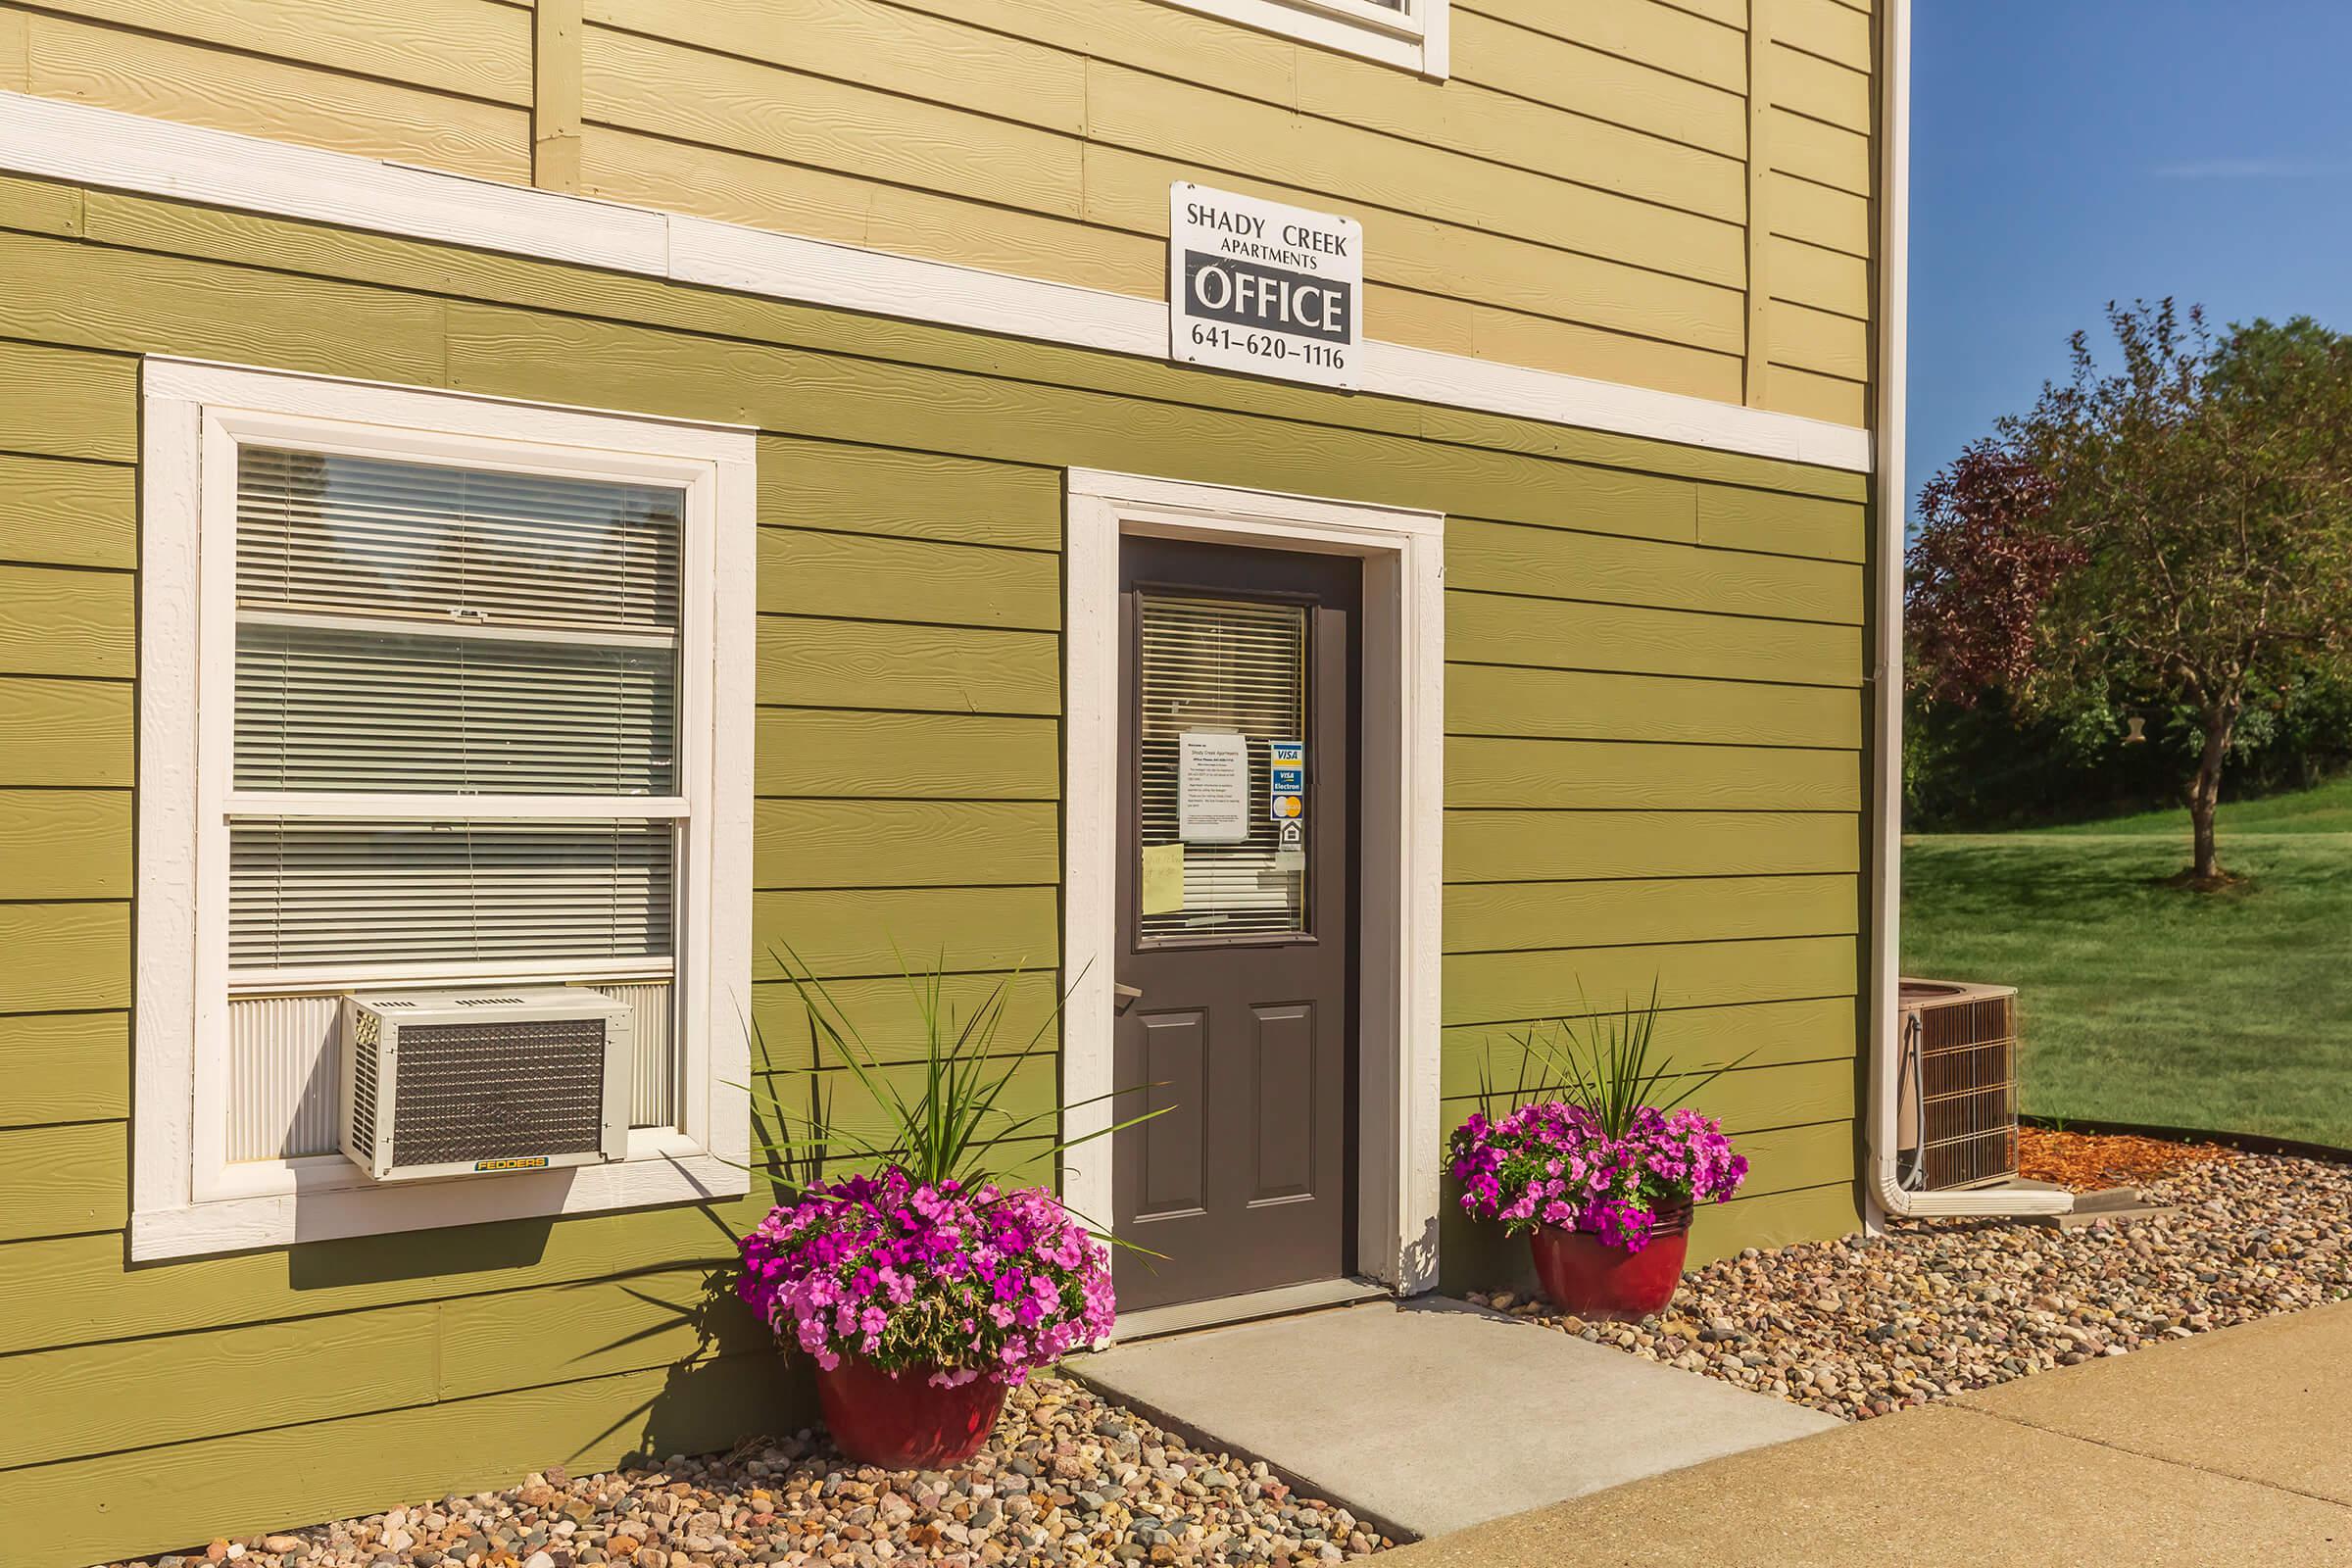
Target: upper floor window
1407,33
437,692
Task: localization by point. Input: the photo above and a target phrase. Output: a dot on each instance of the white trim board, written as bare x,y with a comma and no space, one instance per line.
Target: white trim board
63,140
1400,885
189,1197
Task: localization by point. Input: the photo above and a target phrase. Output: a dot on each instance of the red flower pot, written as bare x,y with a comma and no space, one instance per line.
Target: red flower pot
906,1421
1583,1274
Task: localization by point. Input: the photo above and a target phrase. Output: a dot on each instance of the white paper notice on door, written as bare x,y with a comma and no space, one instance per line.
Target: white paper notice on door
1212,787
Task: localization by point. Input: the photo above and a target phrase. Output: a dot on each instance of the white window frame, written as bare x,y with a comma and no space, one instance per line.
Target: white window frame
1416,38
187,1197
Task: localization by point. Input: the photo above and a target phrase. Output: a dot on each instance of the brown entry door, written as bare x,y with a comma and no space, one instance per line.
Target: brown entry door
1236,955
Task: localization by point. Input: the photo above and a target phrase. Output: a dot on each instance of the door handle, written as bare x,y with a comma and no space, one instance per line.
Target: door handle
1124,997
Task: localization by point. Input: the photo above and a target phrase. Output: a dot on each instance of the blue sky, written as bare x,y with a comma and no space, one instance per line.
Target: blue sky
2069,152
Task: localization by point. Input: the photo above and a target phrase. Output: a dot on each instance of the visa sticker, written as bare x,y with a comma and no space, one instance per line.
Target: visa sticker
1286,780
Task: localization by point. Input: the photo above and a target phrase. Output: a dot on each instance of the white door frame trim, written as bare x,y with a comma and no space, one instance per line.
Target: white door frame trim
1402,824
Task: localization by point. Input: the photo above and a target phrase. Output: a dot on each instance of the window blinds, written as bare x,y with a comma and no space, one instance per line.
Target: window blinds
1238,666
332,708
325,531
318,893
461,633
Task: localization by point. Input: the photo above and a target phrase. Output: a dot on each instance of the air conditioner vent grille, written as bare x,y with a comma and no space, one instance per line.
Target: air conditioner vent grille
498,1091
363,1080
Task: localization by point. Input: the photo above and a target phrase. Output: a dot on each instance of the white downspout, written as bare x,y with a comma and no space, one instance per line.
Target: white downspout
1883,1188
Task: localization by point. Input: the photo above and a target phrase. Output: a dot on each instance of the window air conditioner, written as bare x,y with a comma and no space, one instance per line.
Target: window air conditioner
457,1083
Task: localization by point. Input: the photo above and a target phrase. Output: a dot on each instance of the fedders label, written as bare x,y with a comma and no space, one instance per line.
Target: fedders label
1265,289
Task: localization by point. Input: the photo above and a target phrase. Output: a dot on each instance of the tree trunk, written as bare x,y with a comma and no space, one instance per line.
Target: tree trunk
2205,792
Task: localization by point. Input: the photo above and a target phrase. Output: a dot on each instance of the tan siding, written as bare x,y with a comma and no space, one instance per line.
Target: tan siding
1235,135
1819,215
1549,138
1819,341
1836,33
1537,66
228,90
1640,30
642,83
1824,153
1819,396
467,48
1826,279
1831,92
877,45
1153,38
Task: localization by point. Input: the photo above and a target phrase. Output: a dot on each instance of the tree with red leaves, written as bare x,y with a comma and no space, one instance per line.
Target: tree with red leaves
2177,532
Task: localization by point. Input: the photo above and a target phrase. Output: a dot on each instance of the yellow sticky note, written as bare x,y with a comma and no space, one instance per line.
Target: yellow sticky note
1163,878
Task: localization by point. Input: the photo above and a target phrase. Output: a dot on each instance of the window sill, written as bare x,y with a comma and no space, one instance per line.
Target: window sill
1414,41
321,1198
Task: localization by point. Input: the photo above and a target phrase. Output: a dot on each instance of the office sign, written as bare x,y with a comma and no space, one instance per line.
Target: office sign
1264,288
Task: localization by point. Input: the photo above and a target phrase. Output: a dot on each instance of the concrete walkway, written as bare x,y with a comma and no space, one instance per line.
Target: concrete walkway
1432,1415
2232,1448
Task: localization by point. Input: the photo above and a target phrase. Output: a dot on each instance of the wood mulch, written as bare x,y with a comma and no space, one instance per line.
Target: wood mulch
2088,1161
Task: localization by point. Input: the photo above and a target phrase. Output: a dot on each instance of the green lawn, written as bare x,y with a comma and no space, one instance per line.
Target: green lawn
2140,1002
2326,809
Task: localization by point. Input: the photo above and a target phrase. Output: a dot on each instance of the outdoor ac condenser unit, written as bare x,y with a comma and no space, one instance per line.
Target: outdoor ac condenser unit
1956,1118
455,1083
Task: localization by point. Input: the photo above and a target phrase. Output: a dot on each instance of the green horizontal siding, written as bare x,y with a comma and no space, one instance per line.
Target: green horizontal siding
65,1066
1653,773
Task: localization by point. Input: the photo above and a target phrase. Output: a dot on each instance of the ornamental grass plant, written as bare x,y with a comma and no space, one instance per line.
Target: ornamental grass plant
931,1259
1600,1140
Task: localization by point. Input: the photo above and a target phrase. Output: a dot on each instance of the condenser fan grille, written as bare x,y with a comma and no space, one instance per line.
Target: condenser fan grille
1965,1093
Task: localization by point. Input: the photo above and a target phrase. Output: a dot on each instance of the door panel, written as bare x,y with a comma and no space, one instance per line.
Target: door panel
1286,1079
1175,1141
1237,939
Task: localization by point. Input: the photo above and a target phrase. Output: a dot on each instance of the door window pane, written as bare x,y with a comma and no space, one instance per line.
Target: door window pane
1218,667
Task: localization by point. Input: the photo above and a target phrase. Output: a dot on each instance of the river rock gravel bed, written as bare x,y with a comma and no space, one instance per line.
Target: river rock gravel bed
1068,1478
1863,1327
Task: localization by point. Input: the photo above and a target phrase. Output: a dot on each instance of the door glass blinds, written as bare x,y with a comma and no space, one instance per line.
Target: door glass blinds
1218,667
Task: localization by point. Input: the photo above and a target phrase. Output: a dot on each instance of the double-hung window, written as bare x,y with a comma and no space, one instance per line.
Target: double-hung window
1407,33
437,691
